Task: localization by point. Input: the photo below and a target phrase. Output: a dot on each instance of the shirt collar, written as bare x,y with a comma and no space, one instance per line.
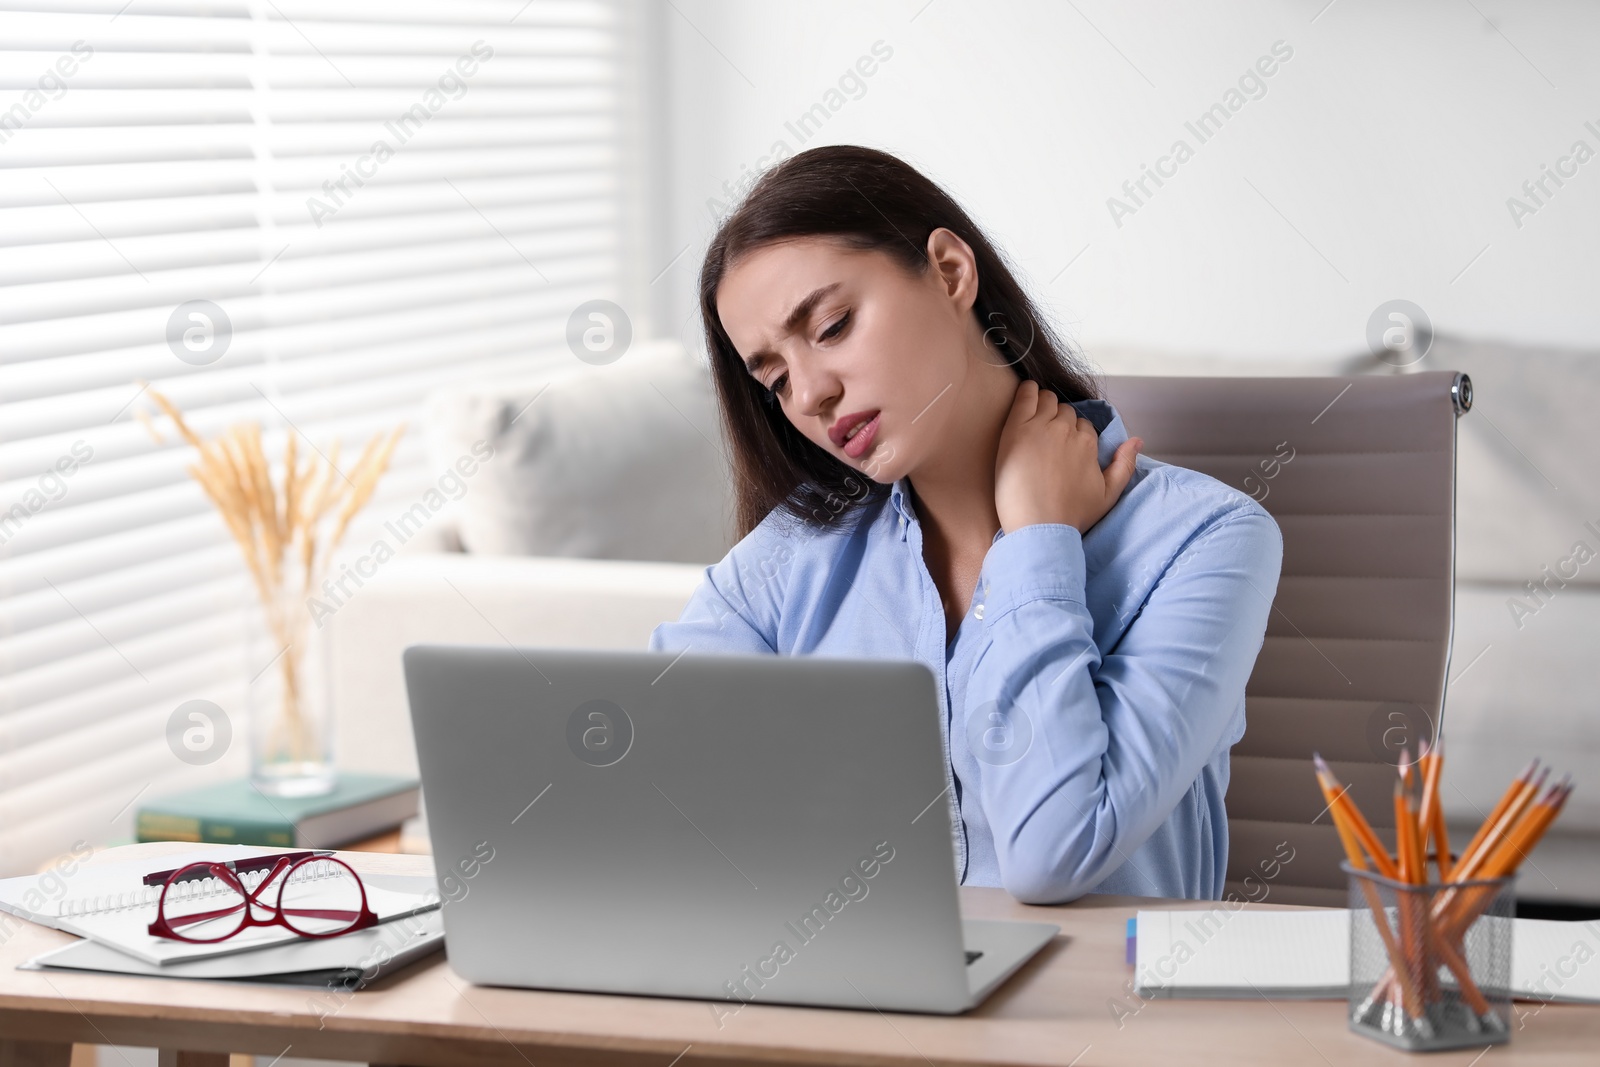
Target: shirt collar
1100,413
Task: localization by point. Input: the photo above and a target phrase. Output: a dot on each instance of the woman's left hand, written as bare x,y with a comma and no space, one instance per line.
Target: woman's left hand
1047,469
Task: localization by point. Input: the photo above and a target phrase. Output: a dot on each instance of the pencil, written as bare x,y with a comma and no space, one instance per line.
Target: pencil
1416,834
1405,902
1499,808
1339,796
1508,858
1433,808
1472,862
1419,837
1380,918
1488,838
1458,967
1405,825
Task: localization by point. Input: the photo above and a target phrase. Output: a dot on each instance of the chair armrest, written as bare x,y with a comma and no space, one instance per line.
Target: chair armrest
452,598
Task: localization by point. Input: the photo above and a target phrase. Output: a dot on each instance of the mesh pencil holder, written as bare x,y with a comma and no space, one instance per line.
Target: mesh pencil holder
1430,965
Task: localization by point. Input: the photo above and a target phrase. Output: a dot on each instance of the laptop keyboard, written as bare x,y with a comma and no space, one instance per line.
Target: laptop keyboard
972,956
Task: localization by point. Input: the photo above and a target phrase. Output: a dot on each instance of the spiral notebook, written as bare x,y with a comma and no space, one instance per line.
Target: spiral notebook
109,904
349,962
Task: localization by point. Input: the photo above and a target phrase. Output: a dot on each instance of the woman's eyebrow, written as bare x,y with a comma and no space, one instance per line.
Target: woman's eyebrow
797,315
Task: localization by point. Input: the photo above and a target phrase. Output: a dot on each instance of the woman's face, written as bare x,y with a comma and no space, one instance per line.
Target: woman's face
848,339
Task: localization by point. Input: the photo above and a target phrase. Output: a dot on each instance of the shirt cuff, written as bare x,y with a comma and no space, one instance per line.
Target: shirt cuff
1042,561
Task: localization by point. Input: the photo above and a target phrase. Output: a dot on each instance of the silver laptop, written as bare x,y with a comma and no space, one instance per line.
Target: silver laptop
739,828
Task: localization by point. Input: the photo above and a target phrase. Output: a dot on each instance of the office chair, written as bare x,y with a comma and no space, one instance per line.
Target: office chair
1359,473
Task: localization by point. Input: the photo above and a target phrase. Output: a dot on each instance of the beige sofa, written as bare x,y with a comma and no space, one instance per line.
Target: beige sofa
1525,488
613,474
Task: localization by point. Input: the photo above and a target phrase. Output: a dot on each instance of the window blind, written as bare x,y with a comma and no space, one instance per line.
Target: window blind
371,200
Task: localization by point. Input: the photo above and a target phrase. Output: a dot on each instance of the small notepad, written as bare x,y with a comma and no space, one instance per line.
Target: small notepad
1305,955
1227,953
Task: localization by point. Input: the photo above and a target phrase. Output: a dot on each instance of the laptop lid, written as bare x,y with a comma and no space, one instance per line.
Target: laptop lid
732,827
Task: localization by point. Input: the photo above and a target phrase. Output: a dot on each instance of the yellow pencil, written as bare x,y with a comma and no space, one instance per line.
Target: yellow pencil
1338,795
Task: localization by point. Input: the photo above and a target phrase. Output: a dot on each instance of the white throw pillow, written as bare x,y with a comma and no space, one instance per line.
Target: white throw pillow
621,461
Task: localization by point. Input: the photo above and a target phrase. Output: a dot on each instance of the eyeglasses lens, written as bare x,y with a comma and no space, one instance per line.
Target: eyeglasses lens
320,897
203,908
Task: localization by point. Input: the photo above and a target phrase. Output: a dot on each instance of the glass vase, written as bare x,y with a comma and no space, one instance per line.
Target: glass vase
290,706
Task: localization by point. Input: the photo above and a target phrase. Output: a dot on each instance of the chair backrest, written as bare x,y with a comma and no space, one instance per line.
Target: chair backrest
1359,473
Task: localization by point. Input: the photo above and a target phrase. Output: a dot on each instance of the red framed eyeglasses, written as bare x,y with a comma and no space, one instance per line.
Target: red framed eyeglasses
315,896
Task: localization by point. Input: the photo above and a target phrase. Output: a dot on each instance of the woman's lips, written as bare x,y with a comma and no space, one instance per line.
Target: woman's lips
857,446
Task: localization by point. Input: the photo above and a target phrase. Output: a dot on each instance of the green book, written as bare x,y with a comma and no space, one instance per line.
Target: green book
233,813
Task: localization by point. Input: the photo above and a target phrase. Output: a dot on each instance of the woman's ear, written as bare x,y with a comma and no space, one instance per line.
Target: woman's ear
955,265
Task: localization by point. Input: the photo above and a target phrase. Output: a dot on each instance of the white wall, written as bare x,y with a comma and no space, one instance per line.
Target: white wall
1390,141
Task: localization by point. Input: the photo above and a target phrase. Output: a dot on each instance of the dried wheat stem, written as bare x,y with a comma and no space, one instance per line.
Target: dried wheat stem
373,464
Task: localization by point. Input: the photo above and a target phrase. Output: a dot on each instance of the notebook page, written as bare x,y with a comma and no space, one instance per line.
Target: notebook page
41,897
1556,960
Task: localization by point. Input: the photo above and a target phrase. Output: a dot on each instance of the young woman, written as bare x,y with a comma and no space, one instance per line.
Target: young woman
923,471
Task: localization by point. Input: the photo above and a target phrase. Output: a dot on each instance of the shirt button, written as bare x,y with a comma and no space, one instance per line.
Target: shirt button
978,611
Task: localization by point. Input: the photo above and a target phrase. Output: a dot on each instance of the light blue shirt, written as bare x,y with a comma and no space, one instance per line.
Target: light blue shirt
1092,691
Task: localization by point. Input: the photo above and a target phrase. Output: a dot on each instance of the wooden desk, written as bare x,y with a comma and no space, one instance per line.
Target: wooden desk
1057,1010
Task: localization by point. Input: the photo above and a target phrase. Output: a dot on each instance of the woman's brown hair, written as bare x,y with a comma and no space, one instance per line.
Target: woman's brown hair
866,200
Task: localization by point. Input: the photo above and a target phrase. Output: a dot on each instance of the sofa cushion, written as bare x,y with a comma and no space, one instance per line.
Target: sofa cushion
620,461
